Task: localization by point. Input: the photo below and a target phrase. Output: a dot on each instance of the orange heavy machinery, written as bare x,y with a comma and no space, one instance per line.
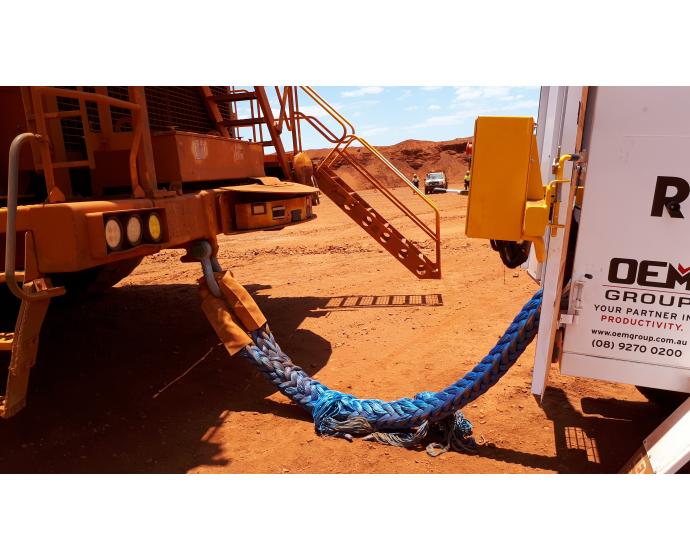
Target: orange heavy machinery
99,177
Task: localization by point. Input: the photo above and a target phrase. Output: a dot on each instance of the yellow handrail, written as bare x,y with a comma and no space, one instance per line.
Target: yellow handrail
330,110
345,140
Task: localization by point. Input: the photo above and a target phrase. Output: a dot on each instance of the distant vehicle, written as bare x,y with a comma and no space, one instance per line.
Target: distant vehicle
435,180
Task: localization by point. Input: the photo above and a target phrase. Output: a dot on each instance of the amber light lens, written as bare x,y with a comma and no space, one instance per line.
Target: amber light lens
155,227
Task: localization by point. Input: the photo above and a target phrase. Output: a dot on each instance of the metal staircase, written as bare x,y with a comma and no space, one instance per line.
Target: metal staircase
34,294
376,225
260,114
354,205
23,346
325,176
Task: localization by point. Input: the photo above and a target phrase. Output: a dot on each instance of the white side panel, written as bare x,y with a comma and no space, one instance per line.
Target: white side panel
635,373
633,324
564,134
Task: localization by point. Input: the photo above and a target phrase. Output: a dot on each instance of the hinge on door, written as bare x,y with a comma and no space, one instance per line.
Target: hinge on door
575,305
567,318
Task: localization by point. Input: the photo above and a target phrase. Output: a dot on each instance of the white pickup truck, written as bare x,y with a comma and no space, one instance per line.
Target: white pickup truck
433,180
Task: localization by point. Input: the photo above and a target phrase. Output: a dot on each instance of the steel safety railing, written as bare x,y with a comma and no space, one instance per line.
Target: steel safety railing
40,117
344,141
11,224
348,128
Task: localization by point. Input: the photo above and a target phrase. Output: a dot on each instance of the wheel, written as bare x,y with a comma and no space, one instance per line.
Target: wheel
96,279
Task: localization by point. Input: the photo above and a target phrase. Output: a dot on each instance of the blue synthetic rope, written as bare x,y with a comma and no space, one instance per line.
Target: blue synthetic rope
404,421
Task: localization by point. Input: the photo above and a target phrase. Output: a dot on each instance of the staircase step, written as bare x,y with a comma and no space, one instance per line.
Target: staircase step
71,164
243,122
24,344
231,97
382,231
63,114
6,339
18,275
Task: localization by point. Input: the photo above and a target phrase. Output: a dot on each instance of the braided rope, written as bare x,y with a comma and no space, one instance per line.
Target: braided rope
344,415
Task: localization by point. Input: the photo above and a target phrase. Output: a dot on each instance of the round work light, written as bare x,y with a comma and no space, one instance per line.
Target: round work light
113,234
134,230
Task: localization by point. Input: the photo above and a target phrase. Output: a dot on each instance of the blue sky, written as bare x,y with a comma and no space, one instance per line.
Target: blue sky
387,115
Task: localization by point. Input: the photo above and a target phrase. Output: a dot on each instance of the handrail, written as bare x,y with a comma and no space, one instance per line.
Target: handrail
395,170
379,187
345,141
320,127
87,96
11,226
283,116
97,98
351,136
342,121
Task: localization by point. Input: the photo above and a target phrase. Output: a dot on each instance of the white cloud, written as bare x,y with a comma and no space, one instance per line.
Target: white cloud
371,130
493,92
467,93
361,103
442,120
471,110
433,107
369,90
464,93
412,108
524,104
512,97
449,119
405,94
317,110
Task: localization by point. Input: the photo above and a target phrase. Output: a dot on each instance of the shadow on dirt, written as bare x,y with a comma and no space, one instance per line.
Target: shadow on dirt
101,398
593,442
402,300
102,360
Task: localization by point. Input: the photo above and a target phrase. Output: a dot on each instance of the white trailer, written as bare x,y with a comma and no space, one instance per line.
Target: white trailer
613,263
622,257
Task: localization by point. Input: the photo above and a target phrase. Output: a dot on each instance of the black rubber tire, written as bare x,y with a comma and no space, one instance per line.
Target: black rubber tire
96,279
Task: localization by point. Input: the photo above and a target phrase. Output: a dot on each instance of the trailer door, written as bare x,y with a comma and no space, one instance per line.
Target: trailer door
630,296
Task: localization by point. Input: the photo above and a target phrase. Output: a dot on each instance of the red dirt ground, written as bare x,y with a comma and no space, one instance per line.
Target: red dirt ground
94,403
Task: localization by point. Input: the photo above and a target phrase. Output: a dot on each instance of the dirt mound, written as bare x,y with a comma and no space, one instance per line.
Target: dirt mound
409,156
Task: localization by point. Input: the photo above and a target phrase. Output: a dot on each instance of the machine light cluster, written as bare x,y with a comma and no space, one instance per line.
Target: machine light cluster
128,230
